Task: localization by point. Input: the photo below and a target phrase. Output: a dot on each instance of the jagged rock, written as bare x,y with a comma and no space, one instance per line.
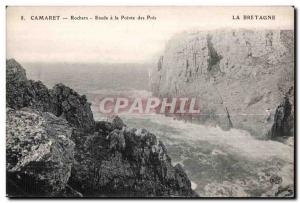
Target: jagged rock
39,153
16,85
117,140
126,162
61,100
15,72
103,126
74,107
283,121
118,123
181,178
41,98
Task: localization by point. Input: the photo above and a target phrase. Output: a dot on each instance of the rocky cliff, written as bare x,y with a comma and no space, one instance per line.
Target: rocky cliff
55,148
60,100
241,77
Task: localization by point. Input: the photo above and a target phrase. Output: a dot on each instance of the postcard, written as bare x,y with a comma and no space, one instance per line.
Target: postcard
150,102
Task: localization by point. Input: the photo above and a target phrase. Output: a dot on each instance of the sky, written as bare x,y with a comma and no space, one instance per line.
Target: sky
120,41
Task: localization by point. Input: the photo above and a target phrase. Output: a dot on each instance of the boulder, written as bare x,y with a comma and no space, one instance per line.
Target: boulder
39,153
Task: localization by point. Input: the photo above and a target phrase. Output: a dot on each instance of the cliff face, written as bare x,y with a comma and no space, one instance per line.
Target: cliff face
240,76
55,148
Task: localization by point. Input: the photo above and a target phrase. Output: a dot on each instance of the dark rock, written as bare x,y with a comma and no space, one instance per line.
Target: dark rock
182,180
39,153
283,125
117,140
17,85
214,58
61,100
126,162
103,126
74,107
117,123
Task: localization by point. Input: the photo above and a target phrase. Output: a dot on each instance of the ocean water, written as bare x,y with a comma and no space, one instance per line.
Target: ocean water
219,163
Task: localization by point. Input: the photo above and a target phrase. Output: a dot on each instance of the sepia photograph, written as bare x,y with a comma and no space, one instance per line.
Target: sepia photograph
150,102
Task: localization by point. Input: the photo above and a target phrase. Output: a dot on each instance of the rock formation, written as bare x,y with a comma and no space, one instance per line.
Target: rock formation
283,125
39,153
127,162
240,76
61,100
56,149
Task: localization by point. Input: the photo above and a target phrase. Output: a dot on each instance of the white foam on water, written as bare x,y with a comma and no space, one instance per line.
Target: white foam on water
193,185
235,140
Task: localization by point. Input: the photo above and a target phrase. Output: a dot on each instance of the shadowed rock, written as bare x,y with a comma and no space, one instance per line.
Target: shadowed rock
39,153
283,121
126,162
61,100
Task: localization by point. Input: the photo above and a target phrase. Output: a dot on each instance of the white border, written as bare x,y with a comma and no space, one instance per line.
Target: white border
296,3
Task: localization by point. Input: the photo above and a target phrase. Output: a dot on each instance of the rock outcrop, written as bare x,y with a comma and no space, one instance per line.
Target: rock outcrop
127,162
240,76
283,125
61,100
55,148
73,107
39,153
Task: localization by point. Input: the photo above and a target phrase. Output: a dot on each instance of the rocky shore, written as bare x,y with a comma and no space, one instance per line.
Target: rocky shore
55,148
244,79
